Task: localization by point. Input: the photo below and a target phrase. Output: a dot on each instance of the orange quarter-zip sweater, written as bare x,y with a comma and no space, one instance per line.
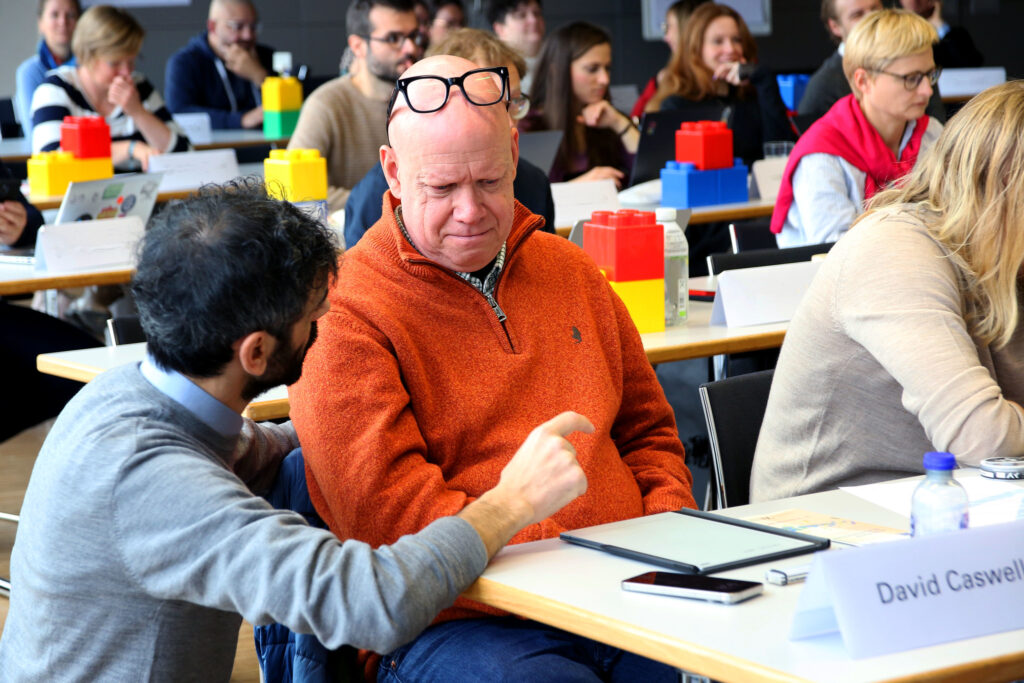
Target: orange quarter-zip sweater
416,394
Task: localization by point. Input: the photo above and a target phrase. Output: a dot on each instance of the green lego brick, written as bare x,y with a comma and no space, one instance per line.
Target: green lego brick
279,124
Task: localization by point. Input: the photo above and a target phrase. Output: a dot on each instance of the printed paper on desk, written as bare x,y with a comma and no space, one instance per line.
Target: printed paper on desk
88,245
757,296
196,126
575,201
189,170
970,82
922,591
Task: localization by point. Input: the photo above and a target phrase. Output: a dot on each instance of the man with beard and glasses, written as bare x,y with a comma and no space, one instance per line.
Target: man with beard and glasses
142,543
221,70
342,117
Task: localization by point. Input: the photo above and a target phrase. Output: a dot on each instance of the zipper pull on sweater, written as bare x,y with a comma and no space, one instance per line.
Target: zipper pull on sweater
496,308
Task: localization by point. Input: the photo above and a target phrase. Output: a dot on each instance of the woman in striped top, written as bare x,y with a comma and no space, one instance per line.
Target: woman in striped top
105,44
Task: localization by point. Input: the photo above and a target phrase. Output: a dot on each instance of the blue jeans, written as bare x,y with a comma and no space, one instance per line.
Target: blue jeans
511,649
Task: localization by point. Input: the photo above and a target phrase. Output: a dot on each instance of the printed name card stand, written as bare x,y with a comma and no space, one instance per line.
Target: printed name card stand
189,170
577,201
763,295
922,591
104,244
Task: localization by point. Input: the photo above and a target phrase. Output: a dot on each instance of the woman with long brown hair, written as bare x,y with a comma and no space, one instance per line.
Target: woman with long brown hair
716,63
570,93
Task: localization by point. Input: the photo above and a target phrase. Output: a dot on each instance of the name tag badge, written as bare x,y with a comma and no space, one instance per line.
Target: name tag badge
922,591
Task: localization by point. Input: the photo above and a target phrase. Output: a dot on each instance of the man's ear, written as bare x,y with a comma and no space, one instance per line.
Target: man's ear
211,25
389,162
254,351
515,152
357,45
834,27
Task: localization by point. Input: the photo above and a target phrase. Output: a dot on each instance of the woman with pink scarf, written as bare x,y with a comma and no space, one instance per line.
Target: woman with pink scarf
867,140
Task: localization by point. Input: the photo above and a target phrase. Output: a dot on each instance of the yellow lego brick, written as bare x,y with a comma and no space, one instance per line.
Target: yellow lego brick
296,175
645,301
281,93
50,173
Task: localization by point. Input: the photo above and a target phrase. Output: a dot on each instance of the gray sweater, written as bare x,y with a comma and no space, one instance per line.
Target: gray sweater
139,548
879,367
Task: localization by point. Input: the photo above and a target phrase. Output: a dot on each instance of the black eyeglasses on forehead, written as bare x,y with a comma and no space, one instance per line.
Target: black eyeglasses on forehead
396,38
426,94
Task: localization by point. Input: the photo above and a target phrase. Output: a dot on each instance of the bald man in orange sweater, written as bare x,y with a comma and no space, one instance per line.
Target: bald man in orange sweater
455,328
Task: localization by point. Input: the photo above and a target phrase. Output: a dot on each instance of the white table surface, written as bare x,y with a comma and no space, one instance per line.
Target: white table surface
578,589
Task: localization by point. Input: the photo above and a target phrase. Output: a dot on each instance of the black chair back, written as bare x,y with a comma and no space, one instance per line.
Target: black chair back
124,330
764,257
734,409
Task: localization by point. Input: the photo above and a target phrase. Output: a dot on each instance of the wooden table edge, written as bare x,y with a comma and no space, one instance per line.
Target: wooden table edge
65,281
697,659
644,642
66,369
712,347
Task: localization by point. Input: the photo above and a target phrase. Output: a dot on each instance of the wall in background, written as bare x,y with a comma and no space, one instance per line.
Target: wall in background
314,30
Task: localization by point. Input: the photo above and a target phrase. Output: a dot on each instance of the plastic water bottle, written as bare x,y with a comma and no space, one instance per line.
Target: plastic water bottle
939,503
677,268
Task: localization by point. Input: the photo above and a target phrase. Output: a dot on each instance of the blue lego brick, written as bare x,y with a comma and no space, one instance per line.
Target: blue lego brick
685,187
791,87
732,183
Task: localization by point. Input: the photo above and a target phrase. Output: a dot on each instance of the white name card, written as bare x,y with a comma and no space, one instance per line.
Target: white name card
922,591
88,245
758,296
964,82
576,201
189,170
196,126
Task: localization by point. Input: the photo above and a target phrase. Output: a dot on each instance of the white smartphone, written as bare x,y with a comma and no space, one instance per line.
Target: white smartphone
694,586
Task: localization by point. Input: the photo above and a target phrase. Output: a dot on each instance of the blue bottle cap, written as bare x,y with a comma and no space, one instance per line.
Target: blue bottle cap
939,461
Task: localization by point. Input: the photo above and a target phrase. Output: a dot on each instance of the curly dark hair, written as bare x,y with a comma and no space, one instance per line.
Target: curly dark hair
221,264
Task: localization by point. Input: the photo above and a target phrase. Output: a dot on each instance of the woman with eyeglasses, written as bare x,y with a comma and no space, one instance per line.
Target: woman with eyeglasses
104,82
570,93
868,139
910,338
56,21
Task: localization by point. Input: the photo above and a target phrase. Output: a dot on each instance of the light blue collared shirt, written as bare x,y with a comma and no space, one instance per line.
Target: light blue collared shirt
181,389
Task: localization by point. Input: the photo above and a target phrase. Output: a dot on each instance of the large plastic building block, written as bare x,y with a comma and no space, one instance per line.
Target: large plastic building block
645,301
86,137
279,124
281,93
50,173
791,87
705,144
685,187
627,245
296,175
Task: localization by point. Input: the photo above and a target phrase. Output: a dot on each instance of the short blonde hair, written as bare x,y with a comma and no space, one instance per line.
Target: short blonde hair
968,187
480,47
105,31
882,37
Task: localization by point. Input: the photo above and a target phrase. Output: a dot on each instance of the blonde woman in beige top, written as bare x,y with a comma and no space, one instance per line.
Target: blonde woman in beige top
908,339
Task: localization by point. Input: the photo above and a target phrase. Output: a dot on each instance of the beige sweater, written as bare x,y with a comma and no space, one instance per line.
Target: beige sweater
879,367
348,129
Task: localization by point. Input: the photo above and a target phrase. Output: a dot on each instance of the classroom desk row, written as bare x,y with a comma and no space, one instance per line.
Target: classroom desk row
698,338
577,589
755,208
20,149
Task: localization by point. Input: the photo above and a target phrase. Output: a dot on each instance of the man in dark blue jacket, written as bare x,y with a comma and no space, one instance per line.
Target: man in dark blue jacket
220,71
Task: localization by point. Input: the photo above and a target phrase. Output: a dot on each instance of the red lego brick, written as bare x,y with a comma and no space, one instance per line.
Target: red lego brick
627,245
705,144
86,137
